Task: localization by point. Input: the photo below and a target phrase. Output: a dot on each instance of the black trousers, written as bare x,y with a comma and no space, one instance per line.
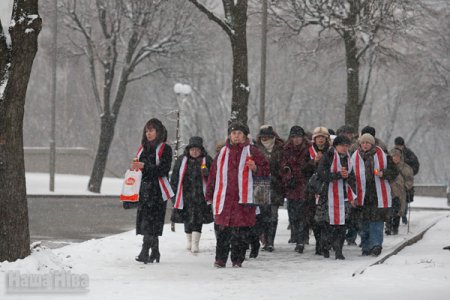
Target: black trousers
264,226
190,227
234,239
332,236
297,212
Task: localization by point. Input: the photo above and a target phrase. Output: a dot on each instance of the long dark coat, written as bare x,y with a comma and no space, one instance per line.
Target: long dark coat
233,213
370,210
274,157
294,160
152,209
195,208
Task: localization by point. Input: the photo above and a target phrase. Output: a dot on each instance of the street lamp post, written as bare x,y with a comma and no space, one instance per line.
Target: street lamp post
52,152
182,91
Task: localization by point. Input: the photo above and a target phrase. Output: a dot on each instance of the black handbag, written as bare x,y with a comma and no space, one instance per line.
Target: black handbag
314,184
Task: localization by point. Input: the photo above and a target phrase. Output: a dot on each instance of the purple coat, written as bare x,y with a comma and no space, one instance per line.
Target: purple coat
233,213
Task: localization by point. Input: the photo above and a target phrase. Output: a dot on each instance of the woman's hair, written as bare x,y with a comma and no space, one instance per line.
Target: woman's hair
161,132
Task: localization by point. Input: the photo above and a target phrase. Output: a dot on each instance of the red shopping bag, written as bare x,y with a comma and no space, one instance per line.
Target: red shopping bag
131,186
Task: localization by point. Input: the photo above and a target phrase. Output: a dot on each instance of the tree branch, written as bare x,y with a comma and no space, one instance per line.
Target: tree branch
228,30
144,75
90,55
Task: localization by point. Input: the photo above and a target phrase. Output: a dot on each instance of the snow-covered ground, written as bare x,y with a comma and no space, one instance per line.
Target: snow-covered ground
419,271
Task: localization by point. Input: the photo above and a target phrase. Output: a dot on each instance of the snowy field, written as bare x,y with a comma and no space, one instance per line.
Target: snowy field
419,271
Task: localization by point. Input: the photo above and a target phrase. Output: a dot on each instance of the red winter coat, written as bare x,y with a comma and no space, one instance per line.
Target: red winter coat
233,213
294,161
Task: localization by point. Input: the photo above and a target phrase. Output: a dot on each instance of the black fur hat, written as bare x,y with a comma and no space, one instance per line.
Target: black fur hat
195,142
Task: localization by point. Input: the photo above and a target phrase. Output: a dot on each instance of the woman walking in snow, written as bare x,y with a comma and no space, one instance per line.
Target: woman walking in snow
373,170
402,184
154,158
333,205
229,189
189,178
319,147
271,145
294,159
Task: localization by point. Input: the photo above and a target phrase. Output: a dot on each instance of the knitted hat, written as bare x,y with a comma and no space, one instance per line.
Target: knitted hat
367,138
399,141
296,131
368,129
341,140
236,125
266,130
320,131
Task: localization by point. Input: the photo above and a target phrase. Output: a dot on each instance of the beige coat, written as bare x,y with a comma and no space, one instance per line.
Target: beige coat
402,183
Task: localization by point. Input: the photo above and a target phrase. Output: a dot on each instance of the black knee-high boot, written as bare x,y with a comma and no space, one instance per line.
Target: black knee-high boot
146,243
271,235
155,255
395,224
316,231
338,241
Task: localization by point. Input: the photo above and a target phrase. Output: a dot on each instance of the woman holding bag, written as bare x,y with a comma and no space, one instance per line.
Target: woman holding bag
189,178
154,159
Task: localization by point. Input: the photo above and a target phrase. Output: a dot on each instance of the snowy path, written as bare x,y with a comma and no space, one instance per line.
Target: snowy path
419,270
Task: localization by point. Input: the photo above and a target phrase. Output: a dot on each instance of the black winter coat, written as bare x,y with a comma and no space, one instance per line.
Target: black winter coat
195,208
411,160
152,208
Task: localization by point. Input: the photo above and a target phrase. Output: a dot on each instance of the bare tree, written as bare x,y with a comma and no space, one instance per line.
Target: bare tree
364,27
18,48
235,26
121,49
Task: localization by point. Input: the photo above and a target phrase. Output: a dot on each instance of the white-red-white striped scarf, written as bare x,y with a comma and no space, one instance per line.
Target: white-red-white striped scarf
179,203
382,185
312,152
245,179
166,189
336,195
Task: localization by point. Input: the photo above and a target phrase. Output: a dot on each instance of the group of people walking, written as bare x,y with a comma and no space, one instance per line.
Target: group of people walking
335,184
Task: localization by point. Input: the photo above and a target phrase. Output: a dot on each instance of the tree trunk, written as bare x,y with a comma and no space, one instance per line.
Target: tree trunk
19,57
353,106
240,89
108,124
